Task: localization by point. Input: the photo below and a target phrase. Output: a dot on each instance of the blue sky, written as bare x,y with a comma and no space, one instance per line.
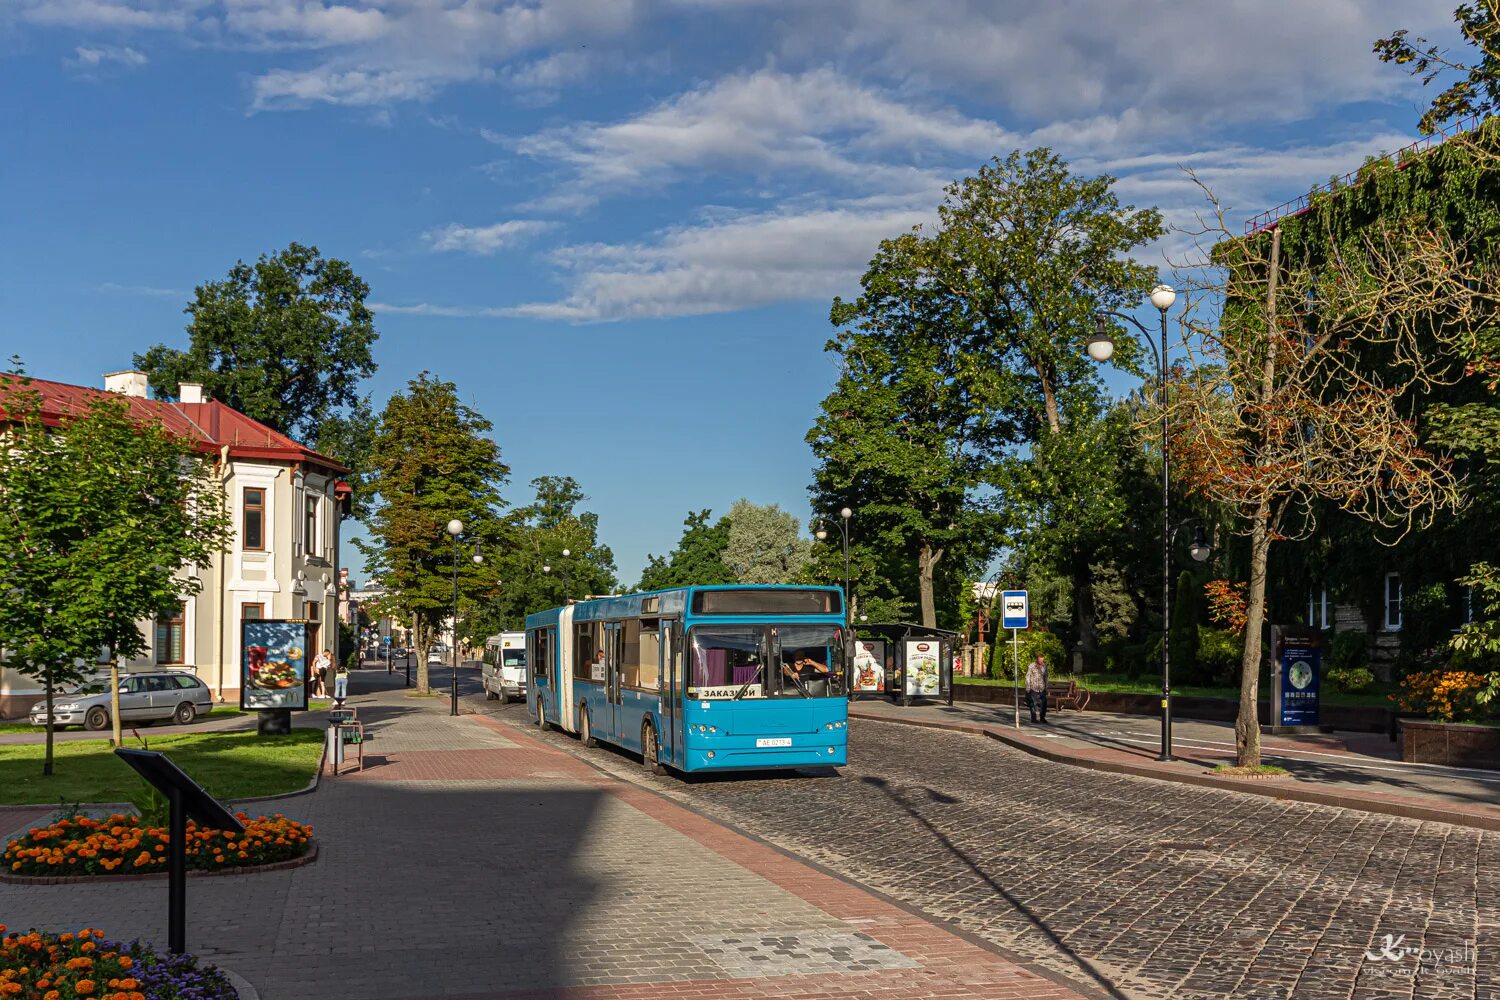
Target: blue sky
618,224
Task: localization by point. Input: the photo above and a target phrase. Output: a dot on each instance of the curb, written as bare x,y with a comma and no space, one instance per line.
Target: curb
242,987
311,786
275,866
1416,811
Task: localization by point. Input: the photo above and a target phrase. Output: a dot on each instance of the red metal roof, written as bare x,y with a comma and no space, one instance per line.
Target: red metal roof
210,426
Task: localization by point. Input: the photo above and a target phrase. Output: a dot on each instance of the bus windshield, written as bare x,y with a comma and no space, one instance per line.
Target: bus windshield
767,661
514,658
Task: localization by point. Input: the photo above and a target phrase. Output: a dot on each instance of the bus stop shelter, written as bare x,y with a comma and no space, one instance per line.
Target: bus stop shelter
902,661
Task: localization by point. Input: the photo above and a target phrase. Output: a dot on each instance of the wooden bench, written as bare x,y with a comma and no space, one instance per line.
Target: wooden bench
1067,694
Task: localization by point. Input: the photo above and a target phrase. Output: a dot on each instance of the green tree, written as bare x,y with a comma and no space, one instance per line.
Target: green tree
101,520
911,430
287,341
765,544
697,559
535,573
432,461
1030,253
1476,91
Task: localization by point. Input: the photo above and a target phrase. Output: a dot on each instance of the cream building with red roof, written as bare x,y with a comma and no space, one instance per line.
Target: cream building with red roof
286,503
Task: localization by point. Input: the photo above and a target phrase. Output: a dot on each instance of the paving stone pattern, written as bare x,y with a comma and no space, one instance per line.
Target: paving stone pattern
491,872
1145,888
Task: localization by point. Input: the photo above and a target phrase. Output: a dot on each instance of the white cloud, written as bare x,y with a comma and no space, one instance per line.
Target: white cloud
768,121
91,57
124,14
737,262
448,312
484,239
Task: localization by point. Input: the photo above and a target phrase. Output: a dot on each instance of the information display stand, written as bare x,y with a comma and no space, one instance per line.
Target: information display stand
187,800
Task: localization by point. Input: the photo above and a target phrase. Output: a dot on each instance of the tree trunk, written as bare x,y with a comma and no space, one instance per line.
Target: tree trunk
114,699
47,755
927,560
423,644
1247,726
1049,400
1084,613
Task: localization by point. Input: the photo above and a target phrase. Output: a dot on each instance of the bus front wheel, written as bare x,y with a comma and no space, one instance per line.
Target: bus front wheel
586,731
650,752
541,715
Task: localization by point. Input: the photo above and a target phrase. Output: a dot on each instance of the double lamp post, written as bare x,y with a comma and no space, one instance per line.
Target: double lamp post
822,535
1101,347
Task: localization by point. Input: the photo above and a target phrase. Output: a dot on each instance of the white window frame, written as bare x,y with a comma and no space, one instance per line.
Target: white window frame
1386,606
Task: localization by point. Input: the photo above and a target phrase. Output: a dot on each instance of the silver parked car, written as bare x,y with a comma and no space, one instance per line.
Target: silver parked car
155,694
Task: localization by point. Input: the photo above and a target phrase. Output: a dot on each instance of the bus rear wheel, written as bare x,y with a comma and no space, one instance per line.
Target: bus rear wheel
586,731
650,752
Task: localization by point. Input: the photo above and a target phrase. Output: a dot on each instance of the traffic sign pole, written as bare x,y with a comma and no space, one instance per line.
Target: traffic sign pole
1015,652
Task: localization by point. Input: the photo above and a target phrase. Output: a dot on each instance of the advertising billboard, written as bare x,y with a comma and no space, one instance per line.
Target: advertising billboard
869,665
923,668
273,664
1301,664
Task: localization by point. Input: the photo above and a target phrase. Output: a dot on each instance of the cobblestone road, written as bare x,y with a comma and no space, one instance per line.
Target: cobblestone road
1146,888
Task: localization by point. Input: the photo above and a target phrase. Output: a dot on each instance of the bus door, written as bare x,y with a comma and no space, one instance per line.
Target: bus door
671,711
612,718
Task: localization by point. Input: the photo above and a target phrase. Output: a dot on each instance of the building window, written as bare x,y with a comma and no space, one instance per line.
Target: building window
1317,608
252,612
1393,602
312,614
169,636
253,531
310,528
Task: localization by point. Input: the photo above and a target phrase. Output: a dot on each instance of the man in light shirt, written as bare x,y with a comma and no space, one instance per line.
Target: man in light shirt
1036,689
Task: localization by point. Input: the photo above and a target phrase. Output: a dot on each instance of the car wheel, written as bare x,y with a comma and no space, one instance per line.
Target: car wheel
96,719
504,698
488,694
185,714
585,731
650,752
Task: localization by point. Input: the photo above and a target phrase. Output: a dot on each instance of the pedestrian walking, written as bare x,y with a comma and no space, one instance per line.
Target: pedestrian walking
1036,688
341,684
320,673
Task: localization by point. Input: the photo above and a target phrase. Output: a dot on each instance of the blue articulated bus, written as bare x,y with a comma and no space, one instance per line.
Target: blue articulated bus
698,678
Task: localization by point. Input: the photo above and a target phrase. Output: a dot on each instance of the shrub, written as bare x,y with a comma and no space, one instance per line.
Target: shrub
1442,695
128,845
1184,636
1033,641
1220,654
1350,680
44,966
1348,650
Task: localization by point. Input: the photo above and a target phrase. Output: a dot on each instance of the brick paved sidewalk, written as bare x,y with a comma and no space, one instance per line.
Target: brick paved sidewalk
1342,771
472,860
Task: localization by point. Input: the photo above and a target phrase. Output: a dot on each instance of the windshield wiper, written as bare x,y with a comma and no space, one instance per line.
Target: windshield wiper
798,681
746,686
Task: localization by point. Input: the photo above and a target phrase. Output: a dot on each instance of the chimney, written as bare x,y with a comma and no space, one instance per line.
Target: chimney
190,392
127,383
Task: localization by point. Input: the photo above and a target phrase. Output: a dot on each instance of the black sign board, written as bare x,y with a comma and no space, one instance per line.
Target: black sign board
186,798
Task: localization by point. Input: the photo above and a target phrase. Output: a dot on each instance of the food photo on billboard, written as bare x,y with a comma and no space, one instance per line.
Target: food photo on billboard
274,664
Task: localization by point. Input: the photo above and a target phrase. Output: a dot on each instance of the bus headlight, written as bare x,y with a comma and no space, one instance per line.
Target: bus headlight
710,755
831,750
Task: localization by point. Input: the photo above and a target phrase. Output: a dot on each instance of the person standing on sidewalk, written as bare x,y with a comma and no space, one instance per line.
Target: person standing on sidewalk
1036,688
341,683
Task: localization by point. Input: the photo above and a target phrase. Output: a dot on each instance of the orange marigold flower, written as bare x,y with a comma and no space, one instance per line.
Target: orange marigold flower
84,987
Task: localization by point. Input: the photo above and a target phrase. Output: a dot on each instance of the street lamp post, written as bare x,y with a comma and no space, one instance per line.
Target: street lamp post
567,576
822,534
1101,347
456,528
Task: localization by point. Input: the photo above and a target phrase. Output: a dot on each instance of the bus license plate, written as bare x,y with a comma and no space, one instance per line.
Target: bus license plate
774,741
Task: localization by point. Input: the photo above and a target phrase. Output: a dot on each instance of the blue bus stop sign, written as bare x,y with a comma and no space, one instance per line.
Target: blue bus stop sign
385,640
1014,612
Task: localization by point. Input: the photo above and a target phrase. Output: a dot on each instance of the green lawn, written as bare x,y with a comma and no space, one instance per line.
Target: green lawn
1128,685
229,765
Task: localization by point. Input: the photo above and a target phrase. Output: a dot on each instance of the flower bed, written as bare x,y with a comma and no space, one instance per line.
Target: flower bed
126,845
38,966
